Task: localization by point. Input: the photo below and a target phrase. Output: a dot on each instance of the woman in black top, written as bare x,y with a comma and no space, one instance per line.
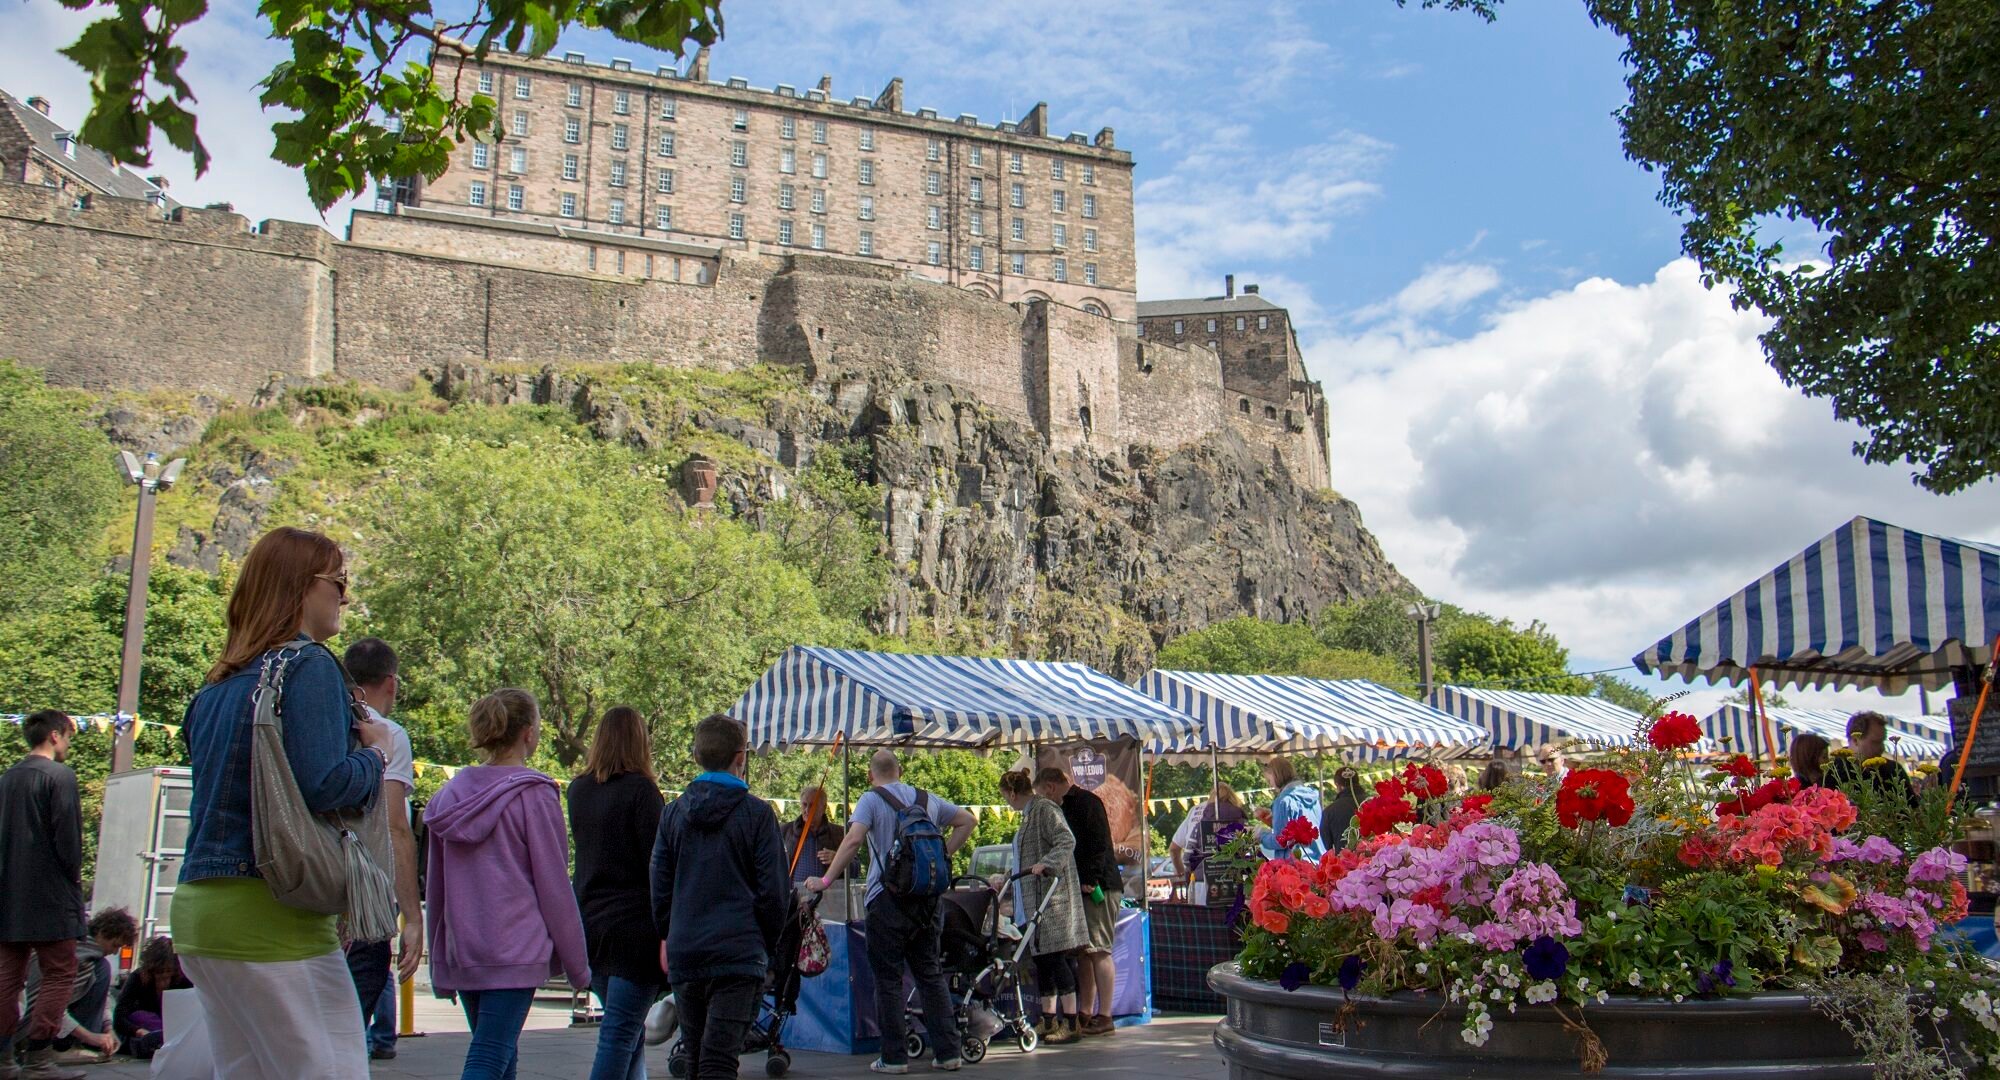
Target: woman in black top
136,1018
614,810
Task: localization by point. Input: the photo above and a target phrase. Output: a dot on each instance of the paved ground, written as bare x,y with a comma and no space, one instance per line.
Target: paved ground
1176,1048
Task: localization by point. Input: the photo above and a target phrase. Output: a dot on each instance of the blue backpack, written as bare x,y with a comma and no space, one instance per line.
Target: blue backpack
916,865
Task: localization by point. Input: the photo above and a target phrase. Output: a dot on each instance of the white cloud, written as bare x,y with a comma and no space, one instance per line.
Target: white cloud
1612,459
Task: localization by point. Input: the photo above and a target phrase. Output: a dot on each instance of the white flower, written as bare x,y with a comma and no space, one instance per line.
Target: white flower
1496,994
1678,997
1603,996
1423,969
1633,978
1940,1013
1929,985
1540,992
1582,984
1511,1006
1612,915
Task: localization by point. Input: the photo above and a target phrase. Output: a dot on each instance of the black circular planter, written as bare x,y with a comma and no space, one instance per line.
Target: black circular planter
1270,1033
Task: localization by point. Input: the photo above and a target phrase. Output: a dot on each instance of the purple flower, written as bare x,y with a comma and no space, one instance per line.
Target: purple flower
1237,907
1295,975
1545,958
1718,975
1350,973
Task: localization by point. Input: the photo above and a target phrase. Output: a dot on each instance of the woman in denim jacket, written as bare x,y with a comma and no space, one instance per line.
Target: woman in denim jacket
272,980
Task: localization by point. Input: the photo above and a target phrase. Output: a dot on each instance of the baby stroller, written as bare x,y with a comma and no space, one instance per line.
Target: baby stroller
983,968
781,999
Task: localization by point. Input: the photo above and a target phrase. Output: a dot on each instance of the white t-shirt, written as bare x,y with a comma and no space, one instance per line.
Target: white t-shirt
402,765
1185,835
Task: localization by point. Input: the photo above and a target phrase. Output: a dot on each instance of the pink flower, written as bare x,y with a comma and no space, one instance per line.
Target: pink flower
1937,864
1873,941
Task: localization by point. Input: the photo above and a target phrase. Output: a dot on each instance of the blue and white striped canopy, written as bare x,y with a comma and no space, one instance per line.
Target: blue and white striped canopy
1291,714
1935,728
811,695
1870,605
1516,719
1746,735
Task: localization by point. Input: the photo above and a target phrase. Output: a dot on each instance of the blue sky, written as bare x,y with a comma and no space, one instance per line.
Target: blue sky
1538,408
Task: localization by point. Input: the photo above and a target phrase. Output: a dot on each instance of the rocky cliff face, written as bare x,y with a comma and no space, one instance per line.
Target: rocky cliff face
996,540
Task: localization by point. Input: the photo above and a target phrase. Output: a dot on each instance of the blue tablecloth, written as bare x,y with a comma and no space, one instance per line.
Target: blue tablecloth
1977,931
837,1009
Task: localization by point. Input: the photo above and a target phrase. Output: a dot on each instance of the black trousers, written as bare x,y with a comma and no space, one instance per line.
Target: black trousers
369,964
904,934
716,1015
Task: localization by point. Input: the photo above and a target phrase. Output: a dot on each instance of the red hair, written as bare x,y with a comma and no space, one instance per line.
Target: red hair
269,601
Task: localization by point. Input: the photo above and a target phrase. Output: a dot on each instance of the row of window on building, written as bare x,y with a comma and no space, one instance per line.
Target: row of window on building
1242,322
669,110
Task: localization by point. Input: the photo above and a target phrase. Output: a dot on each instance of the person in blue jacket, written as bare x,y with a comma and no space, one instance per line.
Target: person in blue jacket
1293,800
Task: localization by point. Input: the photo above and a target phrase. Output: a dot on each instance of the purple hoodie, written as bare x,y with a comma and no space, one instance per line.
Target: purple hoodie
501,913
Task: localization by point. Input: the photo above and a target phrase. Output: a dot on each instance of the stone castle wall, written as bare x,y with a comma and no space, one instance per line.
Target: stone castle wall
109,293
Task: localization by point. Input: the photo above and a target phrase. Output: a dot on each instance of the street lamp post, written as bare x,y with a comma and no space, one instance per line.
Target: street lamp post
151,479
1424,612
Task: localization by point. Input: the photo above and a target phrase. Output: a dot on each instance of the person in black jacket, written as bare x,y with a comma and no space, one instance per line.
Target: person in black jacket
822,838
41,890
614,816
720,899
1339,812
136,1018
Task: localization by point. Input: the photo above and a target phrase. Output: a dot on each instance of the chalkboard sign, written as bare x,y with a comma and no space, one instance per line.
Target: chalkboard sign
1985,759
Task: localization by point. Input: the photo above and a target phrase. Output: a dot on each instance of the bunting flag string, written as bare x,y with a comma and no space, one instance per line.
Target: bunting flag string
105,722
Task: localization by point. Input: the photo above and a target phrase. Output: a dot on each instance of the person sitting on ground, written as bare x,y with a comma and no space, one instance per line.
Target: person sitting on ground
84,1029
720,899
1045,850
1190,848
137,1017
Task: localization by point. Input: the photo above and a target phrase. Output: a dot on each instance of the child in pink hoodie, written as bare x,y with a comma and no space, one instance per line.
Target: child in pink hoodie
502,916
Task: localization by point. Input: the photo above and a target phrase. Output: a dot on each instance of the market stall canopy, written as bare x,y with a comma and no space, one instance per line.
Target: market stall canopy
1746,736
1935,728
1870,605
1291,714
1517,719
812,695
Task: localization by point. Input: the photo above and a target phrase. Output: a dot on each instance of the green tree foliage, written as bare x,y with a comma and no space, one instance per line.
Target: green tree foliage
59,495
1244,646
589,594
1621,693
1872,123
360,95
824,527
67,657
1480,650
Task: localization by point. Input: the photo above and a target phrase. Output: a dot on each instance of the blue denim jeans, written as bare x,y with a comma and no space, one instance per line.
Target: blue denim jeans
495,1017
621,1037
382,1030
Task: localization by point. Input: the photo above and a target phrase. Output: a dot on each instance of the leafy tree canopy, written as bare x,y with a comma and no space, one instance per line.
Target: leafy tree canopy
1872,123
358,84
59,496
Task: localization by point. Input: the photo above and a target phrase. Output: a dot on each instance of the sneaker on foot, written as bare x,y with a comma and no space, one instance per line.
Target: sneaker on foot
42,1065
382,1053
948,1064
880,1066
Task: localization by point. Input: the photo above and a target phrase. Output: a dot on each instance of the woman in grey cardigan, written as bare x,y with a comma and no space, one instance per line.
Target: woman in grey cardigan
1046,849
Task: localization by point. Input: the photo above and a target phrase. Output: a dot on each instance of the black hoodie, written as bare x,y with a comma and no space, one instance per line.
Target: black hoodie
720,894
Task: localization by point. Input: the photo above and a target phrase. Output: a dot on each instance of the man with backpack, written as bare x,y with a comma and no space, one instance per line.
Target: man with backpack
909,867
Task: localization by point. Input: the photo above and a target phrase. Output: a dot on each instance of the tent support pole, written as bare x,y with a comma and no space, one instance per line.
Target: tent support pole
847,796
1763,718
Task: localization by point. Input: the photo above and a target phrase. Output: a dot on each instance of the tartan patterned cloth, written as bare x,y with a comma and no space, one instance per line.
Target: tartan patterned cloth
1187,941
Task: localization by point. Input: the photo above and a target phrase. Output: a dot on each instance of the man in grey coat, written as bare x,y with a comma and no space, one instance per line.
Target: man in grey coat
41,892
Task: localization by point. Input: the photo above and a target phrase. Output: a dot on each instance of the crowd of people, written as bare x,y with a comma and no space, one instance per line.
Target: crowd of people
688,896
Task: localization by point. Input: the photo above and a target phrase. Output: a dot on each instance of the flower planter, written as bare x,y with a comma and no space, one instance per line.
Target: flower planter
1270,1033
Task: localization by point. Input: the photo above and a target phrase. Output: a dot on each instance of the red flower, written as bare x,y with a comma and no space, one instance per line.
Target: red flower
1298,833
1391,789
1779,791
1476,804
1425,781
1674,731
1740,765
1593,795
1383,813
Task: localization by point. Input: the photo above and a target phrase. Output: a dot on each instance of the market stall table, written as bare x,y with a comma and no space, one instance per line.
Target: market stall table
1188,940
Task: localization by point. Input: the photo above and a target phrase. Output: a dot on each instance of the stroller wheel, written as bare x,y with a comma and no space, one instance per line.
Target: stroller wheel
677,1059
913,1045
973,1049
1027,1040
777,1064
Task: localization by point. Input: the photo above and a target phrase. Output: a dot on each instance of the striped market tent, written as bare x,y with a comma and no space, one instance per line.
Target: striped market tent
1735,723
1519,719
1871,605
1242,715
812,695
1935,728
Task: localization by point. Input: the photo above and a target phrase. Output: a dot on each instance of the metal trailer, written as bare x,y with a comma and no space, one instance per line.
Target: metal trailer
141,842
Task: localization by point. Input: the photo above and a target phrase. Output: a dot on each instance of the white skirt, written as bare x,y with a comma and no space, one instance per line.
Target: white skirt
292,1020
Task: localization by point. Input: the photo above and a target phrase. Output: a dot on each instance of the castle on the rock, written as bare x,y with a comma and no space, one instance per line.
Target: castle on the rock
659,217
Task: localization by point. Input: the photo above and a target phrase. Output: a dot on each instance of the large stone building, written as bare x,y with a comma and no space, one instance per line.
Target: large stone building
1263,371
35,149
1010,211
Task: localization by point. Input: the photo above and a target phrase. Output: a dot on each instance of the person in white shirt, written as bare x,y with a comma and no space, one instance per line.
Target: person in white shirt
1187,849
372,664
